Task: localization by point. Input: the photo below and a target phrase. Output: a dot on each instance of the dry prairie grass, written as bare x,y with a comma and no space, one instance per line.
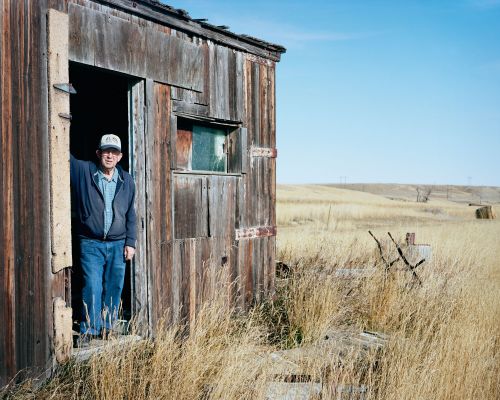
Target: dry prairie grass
443,335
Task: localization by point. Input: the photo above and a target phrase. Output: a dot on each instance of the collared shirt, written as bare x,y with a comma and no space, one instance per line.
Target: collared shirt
108,189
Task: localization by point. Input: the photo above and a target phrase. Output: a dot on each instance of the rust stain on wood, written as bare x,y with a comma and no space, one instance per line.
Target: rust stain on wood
255,232
263,152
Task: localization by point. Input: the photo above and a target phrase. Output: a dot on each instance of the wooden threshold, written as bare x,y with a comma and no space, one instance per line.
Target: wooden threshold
97,346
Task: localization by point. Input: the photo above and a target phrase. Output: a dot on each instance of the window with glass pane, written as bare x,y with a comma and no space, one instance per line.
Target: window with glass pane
208,149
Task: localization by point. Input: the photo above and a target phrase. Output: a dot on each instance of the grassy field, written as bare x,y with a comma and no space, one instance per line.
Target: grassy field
444,341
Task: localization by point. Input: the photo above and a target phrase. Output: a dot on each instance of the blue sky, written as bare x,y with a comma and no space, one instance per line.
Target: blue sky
377,90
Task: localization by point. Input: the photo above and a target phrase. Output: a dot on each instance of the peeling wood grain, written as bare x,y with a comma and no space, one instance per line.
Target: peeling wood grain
63,333
58,73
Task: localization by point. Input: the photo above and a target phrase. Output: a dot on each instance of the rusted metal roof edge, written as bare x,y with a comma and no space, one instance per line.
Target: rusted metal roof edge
180,20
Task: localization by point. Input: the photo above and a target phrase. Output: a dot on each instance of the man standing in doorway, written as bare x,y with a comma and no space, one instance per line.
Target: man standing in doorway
103,200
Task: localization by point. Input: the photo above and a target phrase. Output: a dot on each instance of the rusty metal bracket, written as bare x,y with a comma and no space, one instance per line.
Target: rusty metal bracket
65,87
65,115
263,152
255,232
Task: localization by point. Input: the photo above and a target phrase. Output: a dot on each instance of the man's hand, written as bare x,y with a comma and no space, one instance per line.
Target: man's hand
129,253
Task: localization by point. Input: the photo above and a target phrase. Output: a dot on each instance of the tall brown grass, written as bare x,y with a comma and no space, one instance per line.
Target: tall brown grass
444,341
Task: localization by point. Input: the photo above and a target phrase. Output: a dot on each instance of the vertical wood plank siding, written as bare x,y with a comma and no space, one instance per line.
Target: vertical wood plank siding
190,219
137,156
27,285
100,39
257,192
159,201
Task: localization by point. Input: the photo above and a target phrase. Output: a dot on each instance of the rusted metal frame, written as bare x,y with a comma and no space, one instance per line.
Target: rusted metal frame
263,152
410,267
160,14
388,264
255,232
260,60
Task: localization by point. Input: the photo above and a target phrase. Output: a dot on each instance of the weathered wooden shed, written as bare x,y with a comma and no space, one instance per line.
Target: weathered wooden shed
194,105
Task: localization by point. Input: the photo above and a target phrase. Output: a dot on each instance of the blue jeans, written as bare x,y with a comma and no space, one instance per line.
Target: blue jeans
103,270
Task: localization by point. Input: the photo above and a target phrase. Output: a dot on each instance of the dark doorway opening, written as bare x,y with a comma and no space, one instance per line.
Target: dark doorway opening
100,106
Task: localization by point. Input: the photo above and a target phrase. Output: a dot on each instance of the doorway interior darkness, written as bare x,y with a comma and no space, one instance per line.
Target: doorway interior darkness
99,106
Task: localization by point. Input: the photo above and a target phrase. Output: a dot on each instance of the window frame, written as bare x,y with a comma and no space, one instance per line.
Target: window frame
235,146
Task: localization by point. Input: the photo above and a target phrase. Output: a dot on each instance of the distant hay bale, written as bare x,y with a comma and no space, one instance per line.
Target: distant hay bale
485,212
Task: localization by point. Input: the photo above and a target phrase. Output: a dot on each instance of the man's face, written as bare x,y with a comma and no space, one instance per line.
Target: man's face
109,157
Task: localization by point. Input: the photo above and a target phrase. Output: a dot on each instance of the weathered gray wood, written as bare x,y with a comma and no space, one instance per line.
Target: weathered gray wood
263,106
238,153
204,30
221,200
190,110
172,140
239,95
271,262
255,101
226,83
189,96
190,206
137,161
271,106
240,212
81,35
123,46
292,391
151,224
264,188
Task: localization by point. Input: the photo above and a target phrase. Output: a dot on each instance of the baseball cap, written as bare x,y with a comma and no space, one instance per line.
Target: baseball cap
110,142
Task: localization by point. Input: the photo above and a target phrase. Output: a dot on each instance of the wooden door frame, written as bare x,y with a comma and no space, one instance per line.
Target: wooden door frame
139,273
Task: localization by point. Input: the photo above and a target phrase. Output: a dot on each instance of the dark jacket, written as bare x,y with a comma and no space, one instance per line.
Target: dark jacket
88,204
